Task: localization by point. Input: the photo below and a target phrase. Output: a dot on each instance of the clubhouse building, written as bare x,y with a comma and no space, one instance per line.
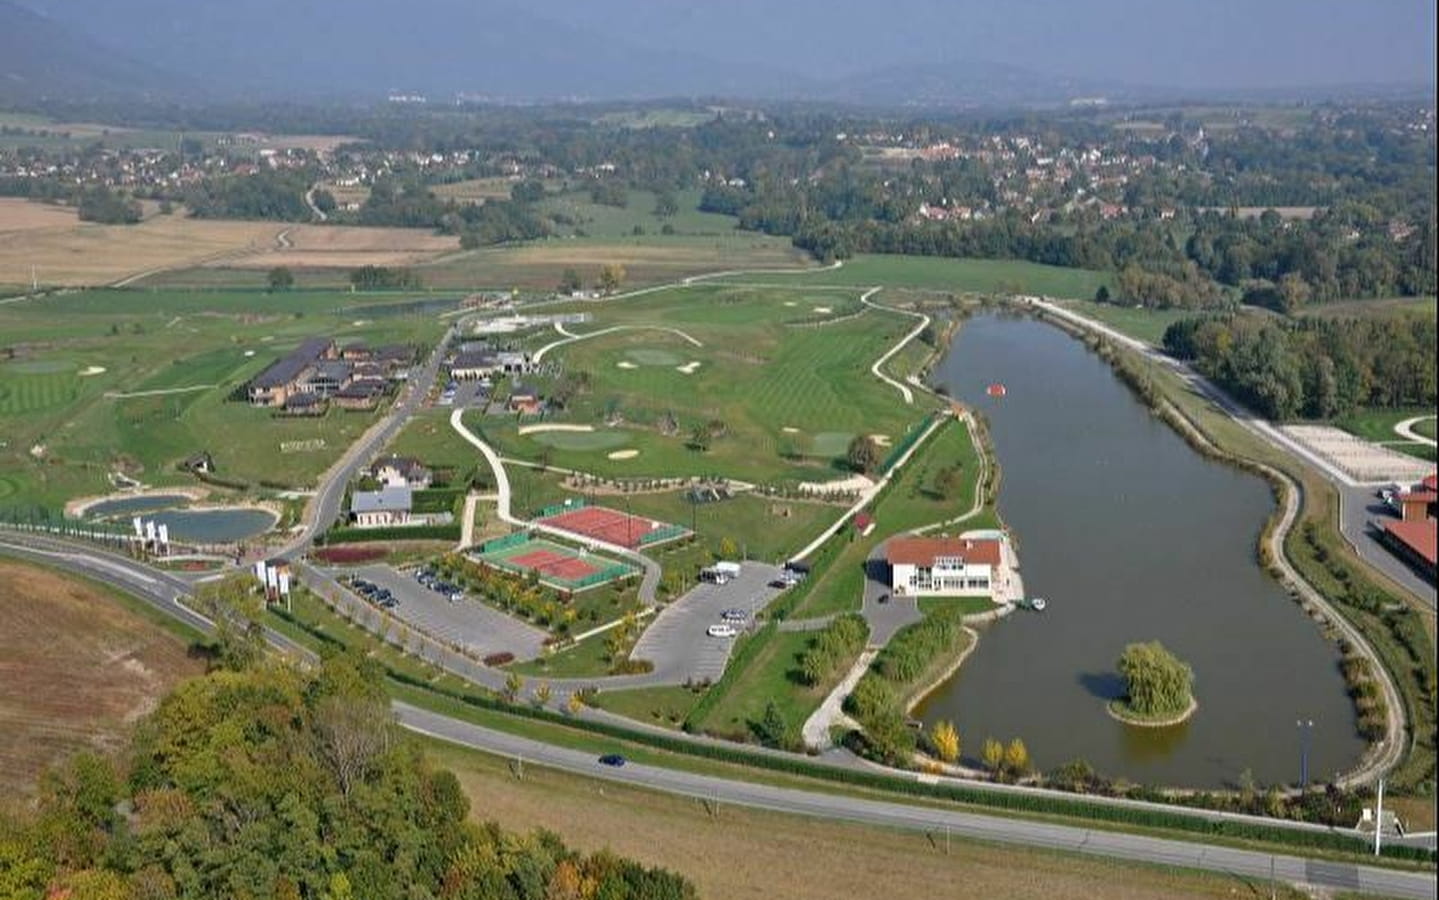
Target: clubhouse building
943,566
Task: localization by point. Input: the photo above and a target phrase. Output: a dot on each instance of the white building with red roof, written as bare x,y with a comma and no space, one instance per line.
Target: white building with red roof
943,566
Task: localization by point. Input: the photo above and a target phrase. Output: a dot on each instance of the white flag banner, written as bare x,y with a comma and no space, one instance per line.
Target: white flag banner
164,534
139,527
150,529
260,570
284,584
272,577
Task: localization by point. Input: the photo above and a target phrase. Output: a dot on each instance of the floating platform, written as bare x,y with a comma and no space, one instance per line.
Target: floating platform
995,390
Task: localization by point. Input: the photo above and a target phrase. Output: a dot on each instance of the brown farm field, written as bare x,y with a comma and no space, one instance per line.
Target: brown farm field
743,853
77,668
343,246
646,260
65,251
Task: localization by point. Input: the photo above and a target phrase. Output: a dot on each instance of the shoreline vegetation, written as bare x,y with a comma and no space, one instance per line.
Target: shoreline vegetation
1120,711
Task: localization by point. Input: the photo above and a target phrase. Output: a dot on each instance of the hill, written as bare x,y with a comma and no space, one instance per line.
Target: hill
42,58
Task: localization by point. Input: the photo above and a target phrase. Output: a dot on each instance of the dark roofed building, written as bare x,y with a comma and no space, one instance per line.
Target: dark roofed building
274,386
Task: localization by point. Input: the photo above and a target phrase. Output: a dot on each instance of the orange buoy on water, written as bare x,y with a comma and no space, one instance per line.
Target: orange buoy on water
995,390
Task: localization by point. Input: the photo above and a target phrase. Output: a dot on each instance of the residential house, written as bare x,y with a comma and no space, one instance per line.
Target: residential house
386,507
524,399
402,471
943,566
305,404
470,365
360,395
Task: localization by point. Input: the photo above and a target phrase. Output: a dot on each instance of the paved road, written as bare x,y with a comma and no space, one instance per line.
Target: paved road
324,506
1358,506
890,616
1245,865
468,623
676,641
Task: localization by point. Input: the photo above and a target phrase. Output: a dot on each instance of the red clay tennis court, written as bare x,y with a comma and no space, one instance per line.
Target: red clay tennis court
548,562
613,526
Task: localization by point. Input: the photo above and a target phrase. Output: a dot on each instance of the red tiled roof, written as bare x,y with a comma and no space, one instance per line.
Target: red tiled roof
863,520
1431,483
1418,535
921,551
1425,496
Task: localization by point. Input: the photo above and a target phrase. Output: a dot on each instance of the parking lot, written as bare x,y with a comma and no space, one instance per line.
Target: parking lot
469,623
676,641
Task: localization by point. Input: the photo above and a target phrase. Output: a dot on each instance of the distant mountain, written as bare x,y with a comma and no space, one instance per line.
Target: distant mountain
40,58
952,84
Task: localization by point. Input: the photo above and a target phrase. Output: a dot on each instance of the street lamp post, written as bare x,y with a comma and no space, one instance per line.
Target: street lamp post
1306,731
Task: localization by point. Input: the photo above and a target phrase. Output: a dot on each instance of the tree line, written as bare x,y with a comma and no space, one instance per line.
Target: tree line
1309,367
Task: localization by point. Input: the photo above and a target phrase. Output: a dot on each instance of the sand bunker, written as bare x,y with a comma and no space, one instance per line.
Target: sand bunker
790,430
688,368
249,353
880,439
626,364
624,454
91,370
823,309
791,303
553,426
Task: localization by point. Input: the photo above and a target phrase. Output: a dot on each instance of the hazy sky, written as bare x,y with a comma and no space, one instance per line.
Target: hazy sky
1185,43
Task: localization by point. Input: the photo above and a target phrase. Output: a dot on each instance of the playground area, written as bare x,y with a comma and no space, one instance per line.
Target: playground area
557,566
609,525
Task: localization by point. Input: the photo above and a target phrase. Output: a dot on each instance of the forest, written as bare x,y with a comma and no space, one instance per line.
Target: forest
259,780
1312,368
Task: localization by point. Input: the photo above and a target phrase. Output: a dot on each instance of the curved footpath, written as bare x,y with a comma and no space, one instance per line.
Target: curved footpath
571,338
1405,429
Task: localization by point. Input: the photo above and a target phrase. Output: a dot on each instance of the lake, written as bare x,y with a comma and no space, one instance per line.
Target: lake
1130,535
203,526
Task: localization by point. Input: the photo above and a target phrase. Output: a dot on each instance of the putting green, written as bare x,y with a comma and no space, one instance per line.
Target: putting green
581,440
653,356
830,444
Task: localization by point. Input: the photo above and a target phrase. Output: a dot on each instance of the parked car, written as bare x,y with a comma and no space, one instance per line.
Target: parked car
781,583
612,759
735,615
722,630
884,598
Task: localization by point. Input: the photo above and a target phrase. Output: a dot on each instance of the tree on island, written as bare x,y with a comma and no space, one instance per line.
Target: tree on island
1157,683
280,278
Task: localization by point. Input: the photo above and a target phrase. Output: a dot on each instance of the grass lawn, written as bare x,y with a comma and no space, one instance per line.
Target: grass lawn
665,706
1147,325
1426,427
960,606
1007,276
1380,308
81,350
789,398
1377,424
773,674
583,660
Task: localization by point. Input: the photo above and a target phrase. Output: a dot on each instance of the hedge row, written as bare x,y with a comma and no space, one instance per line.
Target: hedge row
449,532
799,765
737,664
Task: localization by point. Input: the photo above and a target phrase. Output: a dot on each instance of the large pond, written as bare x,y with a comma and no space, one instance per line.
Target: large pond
1131,535
204,526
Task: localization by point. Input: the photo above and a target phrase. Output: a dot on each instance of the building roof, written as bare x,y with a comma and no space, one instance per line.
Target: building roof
863,520
361,390
285,370
521,391
475,359
303,400
1419,535
922,551
405,465
1424,496
383,500
1431,483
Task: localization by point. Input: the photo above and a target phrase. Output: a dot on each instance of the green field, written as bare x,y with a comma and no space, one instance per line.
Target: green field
1008,276
666,706
789,398
1388,307
599,221
1147,325
162,341
1378,424
773,674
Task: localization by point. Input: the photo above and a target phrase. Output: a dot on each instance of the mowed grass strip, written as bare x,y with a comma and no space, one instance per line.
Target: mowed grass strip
1003,276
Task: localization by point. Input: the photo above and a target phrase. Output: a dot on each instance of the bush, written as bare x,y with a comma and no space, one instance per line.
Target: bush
495,660
449,532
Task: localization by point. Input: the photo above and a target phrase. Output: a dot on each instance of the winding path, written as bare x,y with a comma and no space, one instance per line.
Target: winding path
1405,429
571,338
877,368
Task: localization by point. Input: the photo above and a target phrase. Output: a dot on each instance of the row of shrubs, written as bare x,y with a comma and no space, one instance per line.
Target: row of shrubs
449,532
834,646
737,664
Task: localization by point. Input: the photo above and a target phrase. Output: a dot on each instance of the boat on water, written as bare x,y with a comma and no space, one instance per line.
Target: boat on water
995,390
1037,604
